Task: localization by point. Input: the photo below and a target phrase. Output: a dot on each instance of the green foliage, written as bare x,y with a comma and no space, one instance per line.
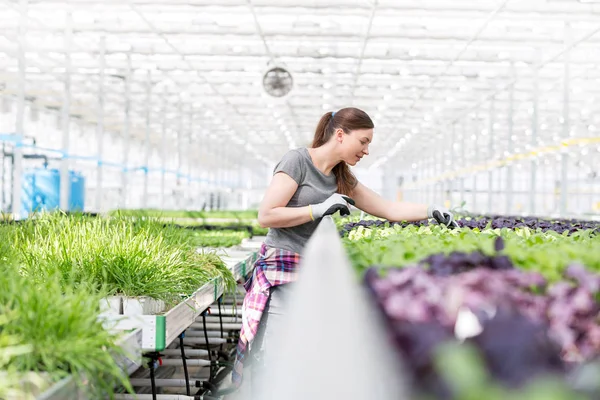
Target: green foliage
8,255
14,383
234,215
240,219
462,366
546,252
116,256
340,221
51,330
55,269
257,230
216,238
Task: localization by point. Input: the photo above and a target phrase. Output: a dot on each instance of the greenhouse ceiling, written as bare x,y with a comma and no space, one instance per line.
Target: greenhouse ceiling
421,69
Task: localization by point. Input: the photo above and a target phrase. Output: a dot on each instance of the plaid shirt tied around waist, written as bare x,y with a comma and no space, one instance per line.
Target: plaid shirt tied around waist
272,268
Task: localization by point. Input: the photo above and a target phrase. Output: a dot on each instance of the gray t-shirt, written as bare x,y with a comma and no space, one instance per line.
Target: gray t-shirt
313,187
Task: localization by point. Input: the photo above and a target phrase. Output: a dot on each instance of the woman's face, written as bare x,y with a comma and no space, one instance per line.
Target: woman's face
355,145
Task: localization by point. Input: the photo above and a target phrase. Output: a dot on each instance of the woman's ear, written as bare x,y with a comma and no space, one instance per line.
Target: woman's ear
339,135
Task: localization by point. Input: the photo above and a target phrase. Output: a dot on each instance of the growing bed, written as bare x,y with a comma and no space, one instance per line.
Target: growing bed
521,294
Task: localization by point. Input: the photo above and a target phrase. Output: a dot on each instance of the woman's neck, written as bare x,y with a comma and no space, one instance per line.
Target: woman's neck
323,158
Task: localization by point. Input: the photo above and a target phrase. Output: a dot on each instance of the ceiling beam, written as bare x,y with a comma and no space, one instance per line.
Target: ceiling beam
441,7
220,35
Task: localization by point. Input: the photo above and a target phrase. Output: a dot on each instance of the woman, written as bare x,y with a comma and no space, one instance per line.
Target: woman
308,184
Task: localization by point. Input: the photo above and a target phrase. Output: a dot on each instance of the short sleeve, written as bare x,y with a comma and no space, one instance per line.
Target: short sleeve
292,165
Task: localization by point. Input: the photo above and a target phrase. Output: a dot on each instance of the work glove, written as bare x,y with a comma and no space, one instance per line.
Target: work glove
441,215
335,202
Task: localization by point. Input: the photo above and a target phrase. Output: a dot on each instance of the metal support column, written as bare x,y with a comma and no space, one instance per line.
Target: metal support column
441,169
227,170
207,169
564,188
65,181
439,186
220,175
190,136
453,166
556,184
463,143
430,176
126,133
546,189
163,149
179,178
433,185
147,144
201,167
490,157
509,168
238,176
388,182
100,125
220,151
473,205
534,132
20,117
424,173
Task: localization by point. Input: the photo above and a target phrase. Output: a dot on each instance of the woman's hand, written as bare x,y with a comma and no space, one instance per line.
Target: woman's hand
441,215
335,202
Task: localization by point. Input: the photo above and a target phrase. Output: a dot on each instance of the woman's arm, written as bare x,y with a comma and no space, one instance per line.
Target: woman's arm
370,202
273,212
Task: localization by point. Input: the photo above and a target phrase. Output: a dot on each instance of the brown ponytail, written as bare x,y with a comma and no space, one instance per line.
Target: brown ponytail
347,119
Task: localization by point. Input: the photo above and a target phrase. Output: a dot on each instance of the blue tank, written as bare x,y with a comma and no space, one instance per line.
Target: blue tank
77,199
41,191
